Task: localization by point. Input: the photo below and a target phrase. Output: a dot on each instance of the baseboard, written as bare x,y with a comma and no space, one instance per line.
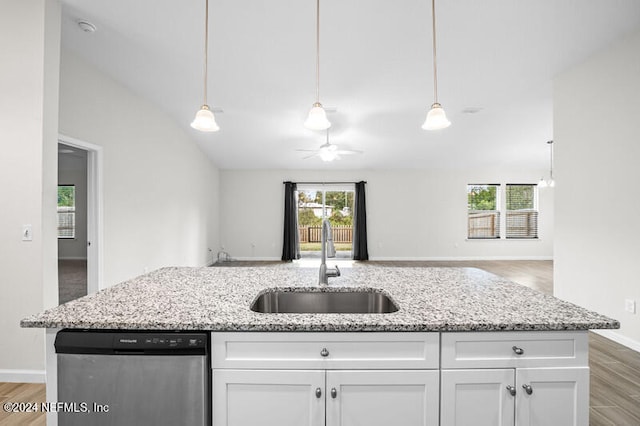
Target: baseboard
418,259
22,376
257,259
72,258
457,258
619,338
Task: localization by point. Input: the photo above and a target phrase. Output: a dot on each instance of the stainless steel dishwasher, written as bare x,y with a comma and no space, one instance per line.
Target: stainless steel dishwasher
133,378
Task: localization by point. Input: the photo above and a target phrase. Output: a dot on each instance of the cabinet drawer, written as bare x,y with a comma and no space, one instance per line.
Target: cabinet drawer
515,349
325,350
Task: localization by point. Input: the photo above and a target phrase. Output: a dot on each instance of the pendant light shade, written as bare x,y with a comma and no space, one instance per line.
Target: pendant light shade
317,119
205,121
436,117
546,183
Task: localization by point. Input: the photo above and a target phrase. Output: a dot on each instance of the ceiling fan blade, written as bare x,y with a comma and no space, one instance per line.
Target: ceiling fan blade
307,150
310,156
349,152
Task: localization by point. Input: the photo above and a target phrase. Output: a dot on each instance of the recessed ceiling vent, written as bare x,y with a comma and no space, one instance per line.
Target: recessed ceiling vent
87,26
471,110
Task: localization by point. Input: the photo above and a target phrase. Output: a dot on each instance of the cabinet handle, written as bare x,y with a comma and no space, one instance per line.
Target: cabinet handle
324,352
318,392
517,350
528,389
512,390
334,393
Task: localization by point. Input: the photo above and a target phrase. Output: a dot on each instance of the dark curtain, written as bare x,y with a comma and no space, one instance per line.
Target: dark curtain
291,243
360,251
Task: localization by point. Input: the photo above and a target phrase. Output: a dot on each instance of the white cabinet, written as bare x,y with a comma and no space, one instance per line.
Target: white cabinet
307,397
407,379
477,397
559,396
544,380
382,398
268,397
332,379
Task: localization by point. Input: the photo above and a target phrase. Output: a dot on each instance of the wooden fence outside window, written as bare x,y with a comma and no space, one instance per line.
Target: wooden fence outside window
312,234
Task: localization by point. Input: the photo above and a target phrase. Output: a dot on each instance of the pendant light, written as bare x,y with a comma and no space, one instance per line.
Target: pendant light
205,120
317,119
548,183
436,117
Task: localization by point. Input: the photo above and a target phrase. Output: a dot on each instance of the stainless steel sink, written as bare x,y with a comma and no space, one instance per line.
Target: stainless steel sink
324,302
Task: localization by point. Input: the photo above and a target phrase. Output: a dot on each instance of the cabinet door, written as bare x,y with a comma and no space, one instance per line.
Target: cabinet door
382,398
478,397
558,396
268,398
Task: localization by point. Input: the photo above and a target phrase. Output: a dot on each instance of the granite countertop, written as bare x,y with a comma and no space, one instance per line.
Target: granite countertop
430,299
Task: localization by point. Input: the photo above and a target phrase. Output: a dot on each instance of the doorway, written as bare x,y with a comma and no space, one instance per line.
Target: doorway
79,219
334,202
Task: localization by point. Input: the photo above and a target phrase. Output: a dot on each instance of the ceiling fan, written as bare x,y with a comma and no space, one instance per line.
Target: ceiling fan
328,151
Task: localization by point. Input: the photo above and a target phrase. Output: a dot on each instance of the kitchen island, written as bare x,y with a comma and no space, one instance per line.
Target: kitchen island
218,299
465,345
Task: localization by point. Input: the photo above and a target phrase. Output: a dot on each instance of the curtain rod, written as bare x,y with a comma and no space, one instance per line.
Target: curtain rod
322,183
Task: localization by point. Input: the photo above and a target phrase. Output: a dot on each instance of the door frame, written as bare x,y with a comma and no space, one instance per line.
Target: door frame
94,211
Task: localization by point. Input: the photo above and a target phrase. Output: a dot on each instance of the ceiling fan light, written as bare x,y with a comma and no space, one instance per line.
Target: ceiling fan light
317,119
327,155
205,121
436,118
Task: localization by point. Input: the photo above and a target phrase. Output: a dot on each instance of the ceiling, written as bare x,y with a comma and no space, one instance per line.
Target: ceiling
495,56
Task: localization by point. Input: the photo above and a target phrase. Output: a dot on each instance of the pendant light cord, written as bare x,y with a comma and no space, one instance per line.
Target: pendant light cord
206,48
317,51
435,66
550,159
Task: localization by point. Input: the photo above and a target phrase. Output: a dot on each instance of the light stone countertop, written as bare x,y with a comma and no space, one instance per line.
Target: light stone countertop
218,299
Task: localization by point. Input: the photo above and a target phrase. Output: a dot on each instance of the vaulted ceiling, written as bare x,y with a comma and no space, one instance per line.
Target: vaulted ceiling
496,62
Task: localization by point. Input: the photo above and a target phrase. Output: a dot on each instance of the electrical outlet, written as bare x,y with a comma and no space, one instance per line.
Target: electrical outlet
630,306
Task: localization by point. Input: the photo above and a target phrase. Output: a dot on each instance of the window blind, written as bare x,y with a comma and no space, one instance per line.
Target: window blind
66,211
483,215
522,211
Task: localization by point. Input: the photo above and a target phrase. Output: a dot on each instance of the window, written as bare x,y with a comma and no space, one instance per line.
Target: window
483,205
66,211
522,211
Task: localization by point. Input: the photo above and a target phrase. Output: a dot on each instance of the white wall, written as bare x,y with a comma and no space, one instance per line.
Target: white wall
160,190
597,135
72,170
415,214
29,54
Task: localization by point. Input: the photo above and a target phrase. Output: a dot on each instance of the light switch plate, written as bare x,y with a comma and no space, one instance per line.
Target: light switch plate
27,233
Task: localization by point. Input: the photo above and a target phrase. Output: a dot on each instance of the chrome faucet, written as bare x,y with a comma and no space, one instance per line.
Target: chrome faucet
328,249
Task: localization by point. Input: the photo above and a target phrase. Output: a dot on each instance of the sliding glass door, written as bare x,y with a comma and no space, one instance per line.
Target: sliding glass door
334,202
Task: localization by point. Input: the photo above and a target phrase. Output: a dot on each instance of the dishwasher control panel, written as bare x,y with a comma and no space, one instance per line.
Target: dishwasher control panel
118,342
158,341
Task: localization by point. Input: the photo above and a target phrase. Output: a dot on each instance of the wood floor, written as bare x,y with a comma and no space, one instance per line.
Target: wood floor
28,393
615,369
